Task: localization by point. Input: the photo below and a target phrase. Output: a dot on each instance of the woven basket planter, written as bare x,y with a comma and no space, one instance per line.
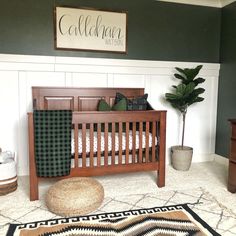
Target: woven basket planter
8,177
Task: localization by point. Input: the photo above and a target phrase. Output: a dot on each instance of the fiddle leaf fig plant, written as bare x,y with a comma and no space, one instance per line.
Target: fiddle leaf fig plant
186,93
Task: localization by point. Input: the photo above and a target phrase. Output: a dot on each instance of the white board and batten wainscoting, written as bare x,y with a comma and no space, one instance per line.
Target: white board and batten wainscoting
18,73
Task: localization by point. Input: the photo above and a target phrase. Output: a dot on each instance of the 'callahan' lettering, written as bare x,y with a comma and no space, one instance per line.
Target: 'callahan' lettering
85,27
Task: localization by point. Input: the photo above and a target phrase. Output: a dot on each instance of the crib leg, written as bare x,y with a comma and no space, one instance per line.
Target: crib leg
161,178
33,179
161,165
34,187
161,172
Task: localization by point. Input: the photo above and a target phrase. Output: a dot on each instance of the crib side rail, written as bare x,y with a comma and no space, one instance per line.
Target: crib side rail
133,136
116,116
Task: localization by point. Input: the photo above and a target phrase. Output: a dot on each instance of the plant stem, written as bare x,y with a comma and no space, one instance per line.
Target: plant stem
183,130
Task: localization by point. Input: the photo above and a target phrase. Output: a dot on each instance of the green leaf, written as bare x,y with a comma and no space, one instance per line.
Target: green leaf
189,88
180,70
198,81
199,99
192,73
178,76
199,91
171,96
198,68
180,89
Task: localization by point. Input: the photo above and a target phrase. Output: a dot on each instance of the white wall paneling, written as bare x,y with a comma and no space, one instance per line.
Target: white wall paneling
129,80
88,79
9,106
18,73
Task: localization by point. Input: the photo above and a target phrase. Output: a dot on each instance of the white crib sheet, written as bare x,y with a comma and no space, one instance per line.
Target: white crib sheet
110,141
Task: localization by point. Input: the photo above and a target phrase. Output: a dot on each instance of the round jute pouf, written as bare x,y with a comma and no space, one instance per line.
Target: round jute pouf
74,196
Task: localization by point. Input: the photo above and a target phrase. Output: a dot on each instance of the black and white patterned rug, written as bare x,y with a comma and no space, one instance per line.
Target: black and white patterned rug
168,220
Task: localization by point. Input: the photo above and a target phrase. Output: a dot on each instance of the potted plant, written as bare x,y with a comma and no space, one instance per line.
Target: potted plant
184,95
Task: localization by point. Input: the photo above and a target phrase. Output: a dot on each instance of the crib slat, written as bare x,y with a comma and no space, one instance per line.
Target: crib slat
91,159
153,141
99,145
133,142
120,143
113,144
147,143
76,144
106,145
127,143
83,145
140,152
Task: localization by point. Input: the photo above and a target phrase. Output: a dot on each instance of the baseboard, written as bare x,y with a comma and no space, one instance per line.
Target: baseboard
221,160
202,157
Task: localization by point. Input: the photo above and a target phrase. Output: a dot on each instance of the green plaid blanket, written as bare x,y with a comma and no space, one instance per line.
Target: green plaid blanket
52,134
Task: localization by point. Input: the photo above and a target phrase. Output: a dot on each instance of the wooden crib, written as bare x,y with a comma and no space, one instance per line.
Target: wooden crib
140,147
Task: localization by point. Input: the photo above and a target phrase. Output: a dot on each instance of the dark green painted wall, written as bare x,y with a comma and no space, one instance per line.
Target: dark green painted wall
227,80
156,30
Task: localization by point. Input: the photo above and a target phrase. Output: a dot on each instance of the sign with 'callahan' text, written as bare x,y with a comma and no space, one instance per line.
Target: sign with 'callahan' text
88,29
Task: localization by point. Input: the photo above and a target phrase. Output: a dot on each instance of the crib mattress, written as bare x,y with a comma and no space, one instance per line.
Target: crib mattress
95,141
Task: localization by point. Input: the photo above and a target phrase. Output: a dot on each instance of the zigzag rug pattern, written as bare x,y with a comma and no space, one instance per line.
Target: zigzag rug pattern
177,220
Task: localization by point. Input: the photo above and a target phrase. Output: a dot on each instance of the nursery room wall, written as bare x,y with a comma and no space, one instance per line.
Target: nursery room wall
161,36
227,81
156,30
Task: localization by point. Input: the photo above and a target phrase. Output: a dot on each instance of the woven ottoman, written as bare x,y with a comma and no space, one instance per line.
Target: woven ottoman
74,196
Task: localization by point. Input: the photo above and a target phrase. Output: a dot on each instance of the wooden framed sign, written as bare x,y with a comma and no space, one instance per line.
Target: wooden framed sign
89,29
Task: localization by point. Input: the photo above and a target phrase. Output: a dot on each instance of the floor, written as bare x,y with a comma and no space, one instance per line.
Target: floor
204,183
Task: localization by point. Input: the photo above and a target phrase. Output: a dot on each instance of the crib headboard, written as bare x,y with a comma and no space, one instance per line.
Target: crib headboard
77,99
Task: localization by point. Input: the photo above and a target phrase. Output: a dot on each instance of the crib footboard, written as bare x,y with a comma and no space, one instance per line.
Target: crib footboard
112,142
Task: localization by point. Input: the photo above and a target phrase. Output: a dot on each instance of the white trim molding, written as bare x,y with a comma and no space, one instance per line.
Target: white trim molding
11,62
208,3
226,2
221,160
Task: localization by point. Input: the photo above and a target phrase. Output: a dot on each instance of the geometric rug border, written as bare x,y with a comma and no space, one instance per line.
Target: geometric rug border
110,215
197,218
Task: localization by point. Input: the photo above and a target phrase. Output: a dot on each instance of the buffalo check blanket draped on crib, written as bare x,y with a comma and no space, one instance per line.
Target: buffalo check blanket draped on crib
52,134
